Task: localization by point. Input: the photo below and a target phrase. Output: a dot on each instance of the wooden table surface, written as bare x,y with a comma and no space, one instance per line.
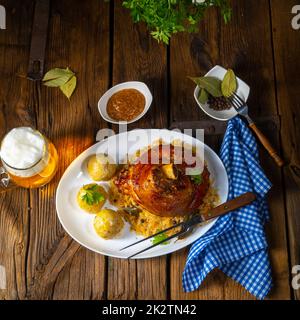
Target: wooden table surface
99,41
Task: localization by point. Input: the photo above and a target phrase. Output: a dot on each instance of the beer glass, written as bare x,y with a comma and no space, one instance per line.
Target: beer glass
29,159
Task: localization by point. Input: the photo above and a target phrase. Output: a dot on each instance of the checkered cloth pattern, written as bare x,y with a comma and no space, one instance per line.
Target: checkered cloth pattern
236,244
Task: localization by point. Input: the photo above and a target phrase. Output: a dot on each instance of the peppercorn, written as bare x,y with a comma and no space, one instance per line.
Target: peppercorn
219,103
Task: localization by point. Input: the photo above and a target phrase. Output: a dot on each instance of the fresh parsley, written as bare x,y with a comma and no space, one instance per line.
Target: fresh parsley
91,195
166,17
160,237
197,178
196,175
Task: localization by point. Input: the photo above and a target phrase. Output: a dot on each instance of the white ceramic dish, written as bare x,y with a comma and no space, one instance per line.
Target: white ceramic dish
223,115
80,224
140,86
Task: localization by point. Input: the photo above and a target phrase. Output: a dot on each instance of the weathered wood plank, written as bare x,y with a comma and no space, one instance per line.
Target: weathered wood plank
235,45
286,53
138,57
78,38
15,110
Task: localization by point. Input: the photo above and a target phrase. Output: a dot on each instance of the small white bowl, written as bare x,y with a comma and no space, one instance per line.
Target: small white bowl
140,86
223,115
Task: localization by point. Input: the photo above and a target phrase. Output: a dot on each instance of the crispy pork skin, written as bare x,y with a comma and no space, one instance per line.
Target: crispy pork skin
158,194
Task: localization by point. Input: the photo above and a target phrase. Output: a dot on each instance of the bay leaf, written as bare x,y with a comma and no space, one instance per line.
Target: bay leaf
57,73
229,84
57,77
203,96
69,87
211,84
57,82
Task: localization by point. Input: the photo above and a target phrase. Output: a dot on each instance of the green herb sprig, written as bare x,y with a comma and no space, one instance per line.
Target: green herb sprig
91,195
166,17
196,175
160,237
197,178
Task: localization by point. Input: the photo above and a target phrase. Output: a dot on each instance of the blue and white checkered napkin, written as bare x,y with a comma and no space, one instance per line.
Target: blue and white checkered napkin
236,244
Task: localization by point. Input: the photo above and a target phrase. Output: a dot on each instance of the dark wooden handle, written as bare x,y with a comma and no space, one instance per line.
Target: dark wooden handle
230,205
266,143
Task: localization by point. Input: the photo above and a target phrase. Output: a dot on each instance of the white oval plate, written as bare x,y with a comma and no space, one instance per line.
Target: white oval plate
79,224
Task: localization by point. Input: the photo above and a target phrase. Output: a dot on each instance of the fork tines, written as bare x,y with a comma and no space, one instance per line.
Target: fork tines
236,101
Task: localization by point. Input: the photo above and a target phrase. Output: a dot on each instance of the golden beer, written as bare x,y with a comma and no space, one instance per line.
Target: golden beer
29,159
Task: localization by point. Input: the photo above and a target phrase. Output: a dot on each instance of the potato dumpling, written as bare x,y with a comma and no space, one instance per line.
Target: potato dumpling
101,167
91,197
108,223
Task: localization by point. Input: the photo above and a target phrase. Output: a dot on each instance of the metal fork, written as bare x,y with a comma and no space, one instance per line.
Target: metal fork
186,226
242,108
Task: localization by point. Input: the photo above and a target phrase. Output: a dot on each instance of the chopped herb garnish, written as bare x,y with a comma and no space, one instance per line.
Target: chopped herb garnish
160,237
197,178
91,195
196,175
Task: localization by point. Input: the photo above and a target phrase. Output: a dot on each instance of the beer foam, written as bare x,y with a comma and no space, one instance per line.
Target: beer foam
22,148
